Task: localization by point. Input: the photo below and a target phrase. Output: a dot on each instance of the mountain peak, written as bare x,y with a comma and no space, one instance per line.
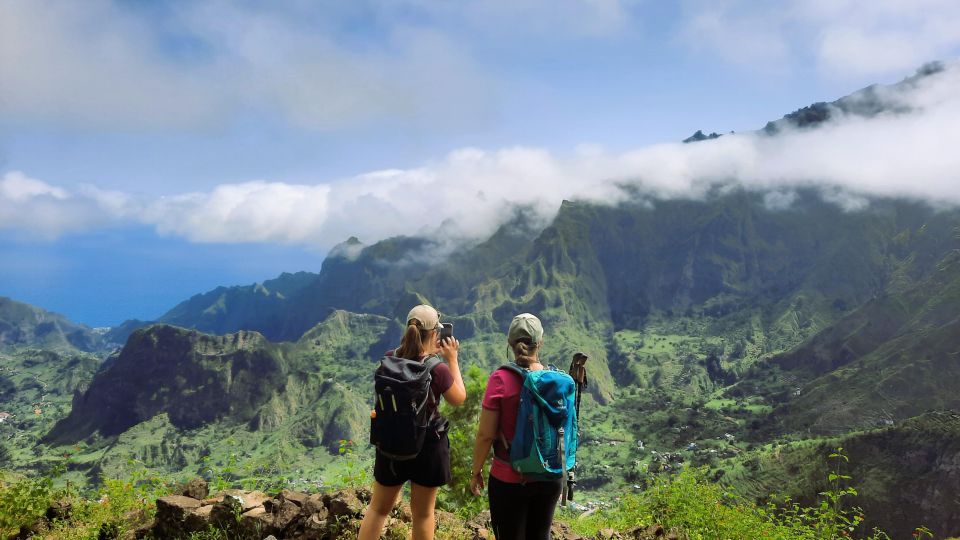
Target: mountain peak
699,136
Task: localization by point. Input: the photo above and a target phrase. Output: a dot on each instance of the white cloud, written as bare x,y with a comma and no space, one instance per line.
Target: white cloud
843,37
38,210
88,63
248,212
16,187
102,65
467,194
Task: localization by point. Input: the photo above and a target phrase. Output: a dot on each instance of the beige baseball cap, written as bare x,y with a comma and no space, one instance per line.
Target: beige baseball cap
526,326
427,316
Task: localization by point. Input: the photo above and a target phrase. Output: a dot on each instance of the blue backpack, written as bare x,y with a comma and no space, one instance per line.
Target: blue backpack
545,443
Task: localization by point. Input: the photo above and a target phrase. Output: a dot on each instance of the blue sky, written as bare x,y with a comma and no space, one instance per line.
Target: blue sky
153,150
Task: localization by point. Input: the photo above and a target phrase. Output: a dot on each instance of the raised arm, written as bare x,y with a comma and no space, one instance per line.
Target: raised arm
457,393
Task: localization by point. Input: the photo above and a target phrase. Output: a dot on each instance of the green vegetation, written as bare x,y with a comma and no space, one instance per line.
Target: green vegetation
688,504
697,508
54,512
463,431
721,333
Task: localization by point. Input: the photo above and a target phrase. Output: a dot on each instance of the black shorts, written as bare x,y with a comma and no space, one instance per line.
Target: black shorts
431,467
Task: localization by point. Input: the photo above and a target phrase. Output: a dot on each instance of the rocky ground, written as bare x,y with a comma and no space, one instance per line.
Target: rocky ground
193,512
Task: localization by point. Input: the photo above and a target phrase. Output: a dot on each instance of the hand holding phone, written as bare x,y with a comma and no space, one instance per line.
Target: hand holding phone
446,331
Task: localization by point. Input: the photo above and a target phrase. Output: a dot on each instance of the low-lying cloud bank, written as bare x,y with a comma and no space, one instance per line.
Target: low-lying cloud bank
908,151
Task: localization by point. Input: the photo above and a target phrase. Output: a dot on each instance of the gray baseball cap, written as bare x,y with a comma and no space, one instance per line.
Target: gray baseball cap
427,316
525,325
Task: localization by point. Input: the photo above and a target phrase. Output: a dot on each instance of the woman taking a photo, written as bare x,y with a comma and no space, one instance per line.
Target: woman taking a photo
519,510
430,468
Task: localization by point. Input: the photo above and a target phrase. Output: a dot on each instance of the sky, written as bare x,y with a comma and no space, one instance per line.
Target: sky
150,151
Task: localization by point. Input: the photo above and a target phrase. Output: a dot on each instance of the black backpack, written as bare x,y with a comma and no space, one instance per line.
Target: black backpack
405,411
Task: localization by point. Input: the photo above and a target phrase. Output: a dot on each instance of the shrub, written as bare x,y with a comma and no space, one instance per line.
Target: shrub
690,503
23,501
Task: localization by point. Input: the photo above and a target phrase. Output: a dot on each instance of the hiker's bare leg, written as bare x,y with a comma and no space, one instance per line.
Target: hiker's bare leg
422,501
381,503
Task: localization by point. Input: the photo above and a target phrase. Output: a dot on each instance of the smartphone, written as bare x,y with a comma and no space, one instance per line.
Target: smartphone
446,330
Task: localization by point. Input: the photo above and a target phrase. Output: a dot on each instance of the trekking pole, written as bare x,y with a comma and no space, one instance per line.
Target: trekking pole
578,372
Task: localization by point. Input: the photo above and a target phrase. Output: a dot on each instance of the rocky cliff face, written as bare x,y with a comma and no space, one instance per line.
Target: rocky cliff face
177,399
197,380
194,378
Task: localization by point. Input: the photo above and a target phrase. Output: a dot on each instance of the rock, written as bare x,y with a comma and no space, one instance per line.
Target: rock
59,510
314,504
172,512
344,503
655,531
175,506
562,531
315,522
197,519
447,518
226,513
402,512
233,501
256,522
608,534
138,524
271,505
296,497
285,514
247,499
196,488
212,500
313,527
480,521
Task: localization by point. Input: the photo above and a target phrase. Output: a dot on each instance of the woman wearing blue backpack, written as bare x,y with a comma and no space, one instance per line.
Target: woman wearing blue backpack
520,508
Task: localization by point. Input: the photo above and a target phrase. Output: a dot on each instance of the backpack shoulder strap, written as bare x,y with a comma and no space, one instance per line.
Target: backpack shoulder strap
501,438
432,361
516,369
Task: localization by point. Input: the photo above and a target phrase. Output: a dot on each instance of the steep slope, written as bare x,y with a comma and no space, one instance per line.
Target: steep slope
23,325
36,388
906,475
177,399
194,378
229,309
896,357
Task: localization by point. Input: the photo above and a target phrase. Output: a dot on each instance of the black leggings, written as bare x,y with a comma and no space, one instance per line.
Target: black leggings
523,511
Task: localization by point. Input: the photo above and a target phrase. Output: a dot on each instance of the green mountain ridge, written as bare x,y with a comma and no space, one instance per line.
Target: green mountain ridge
23,325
